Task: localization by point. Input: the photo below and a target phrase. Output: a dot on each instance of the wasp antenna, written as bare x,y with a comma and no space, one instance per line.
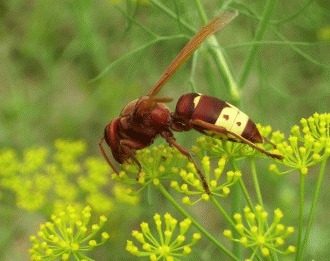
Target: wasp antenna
214,25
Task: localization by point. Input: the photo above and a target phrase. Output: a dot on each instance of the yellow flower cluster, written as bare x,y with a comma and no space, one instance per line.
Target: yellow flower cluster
58,179
167,242
307,146
69,235
158,163
258,235
192,186
218,148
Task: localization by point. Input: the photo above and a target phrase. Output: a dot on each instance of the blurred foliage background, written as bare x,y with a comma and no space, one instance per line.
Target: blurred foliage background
50,52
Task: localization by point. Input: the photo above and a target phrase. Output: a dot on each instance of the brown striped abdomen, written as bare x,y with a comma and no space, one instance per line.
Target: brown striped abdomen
212,110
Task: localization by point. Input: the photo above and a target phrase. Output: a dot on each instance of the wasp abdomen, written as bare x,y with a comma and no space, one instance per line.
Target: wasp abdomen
195,106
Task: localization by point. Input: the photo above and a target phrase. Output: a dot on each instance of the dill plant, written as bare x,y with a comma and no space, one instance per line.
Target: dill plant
222,161
69,235
168,243
42,180
165,167
261,237
49,184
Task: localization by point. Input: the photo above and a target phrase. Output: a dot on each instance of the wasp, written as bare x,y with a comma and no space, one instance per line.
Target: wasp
147,117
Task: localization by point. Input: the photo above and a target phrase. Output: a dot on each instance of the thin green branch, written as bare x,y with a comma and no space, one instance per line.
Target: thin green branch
133,52
195,223
301,214
262,26
237,205
243,188
201,11
299,51
193,71
219,58
133,21
223,212
256,181
312,210
259,194
295,14
172,14
245,193
214,49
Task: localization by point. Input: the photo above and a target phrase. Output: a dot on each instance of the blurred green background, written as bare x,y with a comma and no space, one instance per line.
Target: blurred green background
51,51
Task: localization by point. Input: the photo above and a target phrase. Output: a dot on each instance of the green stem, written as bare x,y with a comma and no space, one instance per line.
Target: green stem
312,211
264,22
256,181
246,193
224,70
222,211
214,48
301,212
172,14
195,223
193,71
236,208
201,11
243,188
294,47
220,58
259,194
133,52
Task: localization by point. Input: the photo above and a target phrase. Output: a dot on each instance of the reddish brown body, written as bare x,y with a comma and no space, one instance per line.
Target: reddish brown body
136,128
142,120
194,106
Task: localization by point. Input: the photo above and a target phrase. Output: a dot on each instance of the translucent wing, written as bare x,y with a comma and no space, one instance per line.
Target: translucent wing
214,25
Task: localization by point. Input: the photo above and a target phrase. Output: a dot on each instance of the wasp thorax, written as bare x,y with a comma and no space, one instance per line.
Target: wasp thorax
129,108
160,115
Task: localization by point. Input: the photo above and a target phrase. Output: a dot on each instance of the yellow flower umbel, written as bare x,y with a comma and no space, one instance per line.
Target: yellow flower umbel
69,236
216,147
168,243
67,176
192,186
158,163
308,145
259,236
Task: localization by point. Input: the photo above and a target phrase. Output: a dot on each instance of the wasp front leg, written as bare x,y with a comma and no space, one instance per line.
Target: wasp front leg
106,156
221,130
168,136
128,148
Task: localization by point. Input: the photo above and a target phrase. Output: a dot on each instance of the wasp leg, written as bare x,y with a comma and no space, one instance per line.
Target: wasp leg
218,129
168,136
106,156
268,141
129,147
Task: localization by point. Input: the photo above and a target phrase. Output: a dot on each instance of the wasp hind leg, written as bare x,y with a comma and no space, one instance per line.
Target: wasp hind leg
221,130
269,142
168,136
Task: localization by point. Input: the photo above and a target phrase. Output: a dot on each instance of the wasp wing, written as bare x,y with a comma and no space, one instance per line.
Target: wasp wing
214,25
